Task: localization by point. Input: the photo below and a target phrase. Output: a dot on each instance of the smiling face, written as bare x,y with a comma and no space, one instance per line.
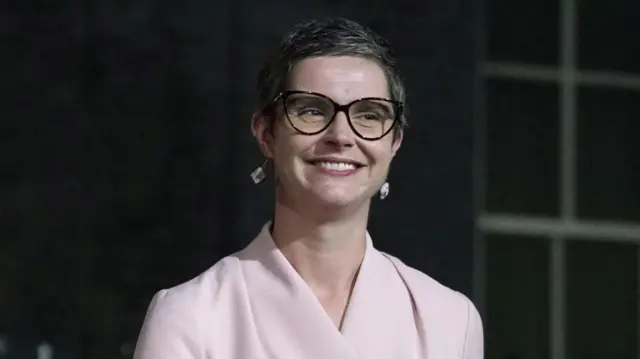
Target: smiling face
334,168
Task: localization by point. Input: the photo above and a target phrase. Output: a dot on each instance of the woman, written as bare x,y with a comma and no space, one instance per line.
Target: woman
311,285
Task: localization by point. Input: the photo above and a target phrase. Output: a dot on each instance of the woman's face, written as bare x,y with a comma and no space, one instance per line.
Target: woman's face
334,168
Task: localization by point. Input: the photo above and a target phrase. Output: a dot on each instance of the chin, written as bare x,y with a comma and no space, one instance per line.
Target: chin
337,198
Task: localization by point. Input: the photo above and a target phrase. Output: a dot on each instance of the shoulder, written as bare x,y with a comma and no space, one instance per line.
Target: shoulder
452,311
191,299
428,289
172,326
197,290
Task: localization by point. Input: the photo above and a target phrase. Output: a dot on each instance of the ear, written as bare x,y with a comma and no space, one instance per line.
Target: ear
263,134
397,141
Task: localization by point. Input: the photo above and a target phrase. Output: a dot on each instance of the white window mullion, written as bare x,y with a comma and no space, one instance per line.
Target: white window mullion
608,79
557,298
519,71
568,114
638,305
527,226
567,174
539,73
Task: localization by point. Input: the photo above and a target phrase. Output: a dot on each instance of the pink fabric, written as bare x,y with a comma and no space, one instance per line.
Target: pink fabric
254,305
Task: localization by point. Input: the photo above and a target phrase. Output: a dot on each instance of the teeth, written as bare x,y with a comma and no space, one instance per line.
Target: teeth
338,166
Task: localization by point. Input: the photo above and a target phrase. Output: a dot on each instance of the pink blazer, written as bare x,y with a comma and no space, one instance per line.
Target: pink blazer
254,305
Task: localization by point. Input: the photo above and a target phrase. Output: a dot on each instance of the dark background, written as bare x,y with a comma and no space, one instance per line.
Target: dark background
126,128
521,122
125,155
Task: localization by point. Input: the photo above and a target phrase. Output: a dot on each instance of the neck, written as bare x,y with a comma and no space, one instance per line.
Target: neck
327,254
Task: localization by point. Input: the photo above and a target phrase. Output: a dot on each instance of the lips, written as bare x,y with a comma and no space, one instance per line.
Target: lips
337,165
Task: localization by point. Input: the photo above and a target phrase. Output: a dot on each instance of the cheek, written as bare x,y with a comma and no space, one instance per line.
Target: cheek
380,154
289,149
281,141
383,165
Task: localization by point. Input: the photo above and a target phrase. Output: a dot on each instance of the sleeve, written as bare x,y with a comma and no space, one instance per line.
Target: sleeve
474,336
169,331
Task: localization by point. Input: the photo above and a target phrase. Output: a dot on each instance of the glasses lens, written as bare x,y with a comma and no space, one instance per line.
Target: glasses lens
372,118
311,113
308,113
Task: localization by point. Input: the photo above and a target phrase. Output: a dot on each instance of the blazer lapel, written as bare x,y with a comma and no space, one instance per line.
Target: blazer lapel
379,321
290,321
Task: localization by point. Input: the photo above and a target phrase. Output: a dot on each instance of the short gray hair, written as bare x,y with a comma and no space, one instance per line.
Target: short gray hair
329,37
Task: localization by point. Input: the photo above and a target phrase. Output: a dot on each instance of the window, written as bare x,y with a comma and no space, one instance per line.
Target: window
602,282
559,226
522,150
608,147
522,39
607,36
517,315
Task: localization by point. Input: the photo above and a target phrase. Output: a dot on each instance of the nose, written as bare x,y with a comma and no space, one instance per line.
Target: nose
339,132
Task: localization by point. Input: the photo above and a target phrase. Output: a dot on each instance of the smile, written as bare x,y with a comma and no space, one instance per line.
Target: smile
336,167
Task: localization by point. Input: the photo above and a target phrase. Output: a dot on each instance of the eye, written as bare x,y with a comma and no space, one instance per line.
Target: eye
371,111
310,112
372,116
368,116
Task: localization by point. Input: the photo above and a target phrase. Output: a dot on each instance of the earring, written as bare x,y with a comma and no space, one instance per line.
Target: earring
259,174
384,190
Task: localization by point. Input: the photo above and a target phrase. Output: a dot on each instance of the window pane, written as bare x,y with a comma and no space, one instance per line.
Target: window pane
602,300
608,165
522,147
517,318
522,31
608,35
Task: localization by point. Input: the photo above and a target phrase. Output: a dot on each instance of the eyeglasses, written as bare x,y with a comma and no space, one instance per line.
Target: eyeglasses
310,113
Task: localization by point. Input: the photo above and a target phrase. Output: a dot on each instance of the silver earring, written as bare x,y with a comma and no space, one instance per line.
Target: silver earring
384,190
259,174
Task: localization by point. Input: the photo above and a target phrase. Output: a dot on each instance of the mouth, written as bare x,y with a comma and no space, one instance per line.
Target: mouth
336,166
